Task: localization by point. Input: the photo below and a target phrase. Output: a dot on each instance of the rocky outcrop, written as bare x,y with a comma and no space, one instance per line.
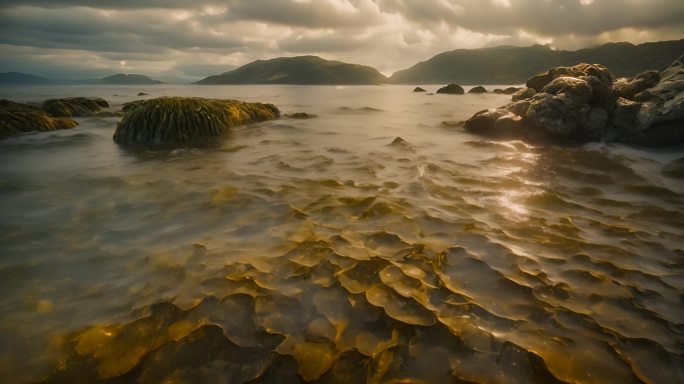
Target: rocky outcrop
478,89
178,120
16,118
451,89
418,89
583,103
75,106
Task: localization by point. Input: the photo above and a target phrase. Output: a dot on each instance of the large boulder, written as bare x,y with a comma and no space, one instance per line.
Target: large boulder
180,120
16,118
582,103
451,89
75,106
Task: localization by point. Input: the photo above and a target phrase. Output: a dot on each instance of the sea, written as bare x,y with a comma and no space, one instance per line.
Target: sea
376,242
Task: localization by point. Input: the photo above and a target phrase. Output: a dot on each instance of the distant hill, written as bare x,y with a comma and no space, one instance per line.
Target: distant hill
22,78
514,65
298,70
127,79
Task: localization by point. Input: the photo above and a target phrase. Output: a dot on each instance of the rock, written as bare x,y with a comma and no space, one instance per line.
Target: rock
574,90
523,94
300,115
642,82
17,117
497,123
451,89
674,169
132,105
142,94
581,103
418,89
506,91
478,89
557,115
538,82
180,120
74,106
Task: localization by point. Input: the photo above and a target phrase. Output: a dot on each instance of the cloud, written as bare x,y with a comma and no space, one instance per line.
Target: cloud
197,38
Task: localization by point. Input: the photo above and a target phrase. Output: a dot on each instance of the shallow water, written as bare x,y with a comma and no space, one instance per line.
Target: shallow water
320,250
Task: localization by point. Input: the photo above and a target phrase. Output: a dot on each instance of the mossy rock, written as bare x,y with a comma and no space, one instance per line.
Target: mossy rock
16,118
74,106
180,120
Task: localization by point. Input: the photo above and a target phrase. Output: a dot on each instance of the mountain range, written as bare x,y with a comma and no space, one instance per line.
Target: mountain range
498,65
311,70
514,65
18,78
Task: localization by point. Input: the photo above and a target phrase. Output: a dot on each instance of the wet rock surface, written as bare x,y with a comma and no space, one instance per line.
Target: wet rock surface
17,117
75,106
178,120
583,103
451,89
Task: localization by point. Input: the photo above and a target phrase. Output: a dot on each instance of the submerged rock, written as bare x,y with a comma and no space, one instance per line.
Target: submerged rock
16,118
451,89
418,89
478,89
300,115
75,106
143,94
582,103
674,169
180,120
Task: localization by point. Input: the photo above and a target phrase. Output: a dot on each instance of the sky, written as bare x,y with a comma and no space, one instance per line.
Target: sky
179,40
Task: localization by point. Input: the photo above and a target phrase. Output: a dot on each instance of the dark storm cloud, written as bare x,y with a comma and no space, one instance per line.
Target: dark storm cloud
316,14
545,17
180,37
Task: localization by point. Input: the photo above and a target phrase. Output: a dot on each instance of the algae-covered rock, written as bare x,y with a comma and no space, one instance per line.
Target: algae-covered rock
74,106
180,120
17,117
451,89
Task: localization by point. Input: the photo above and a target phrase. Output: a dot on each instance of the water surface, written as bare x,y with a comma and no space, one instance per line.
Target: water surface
326,250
